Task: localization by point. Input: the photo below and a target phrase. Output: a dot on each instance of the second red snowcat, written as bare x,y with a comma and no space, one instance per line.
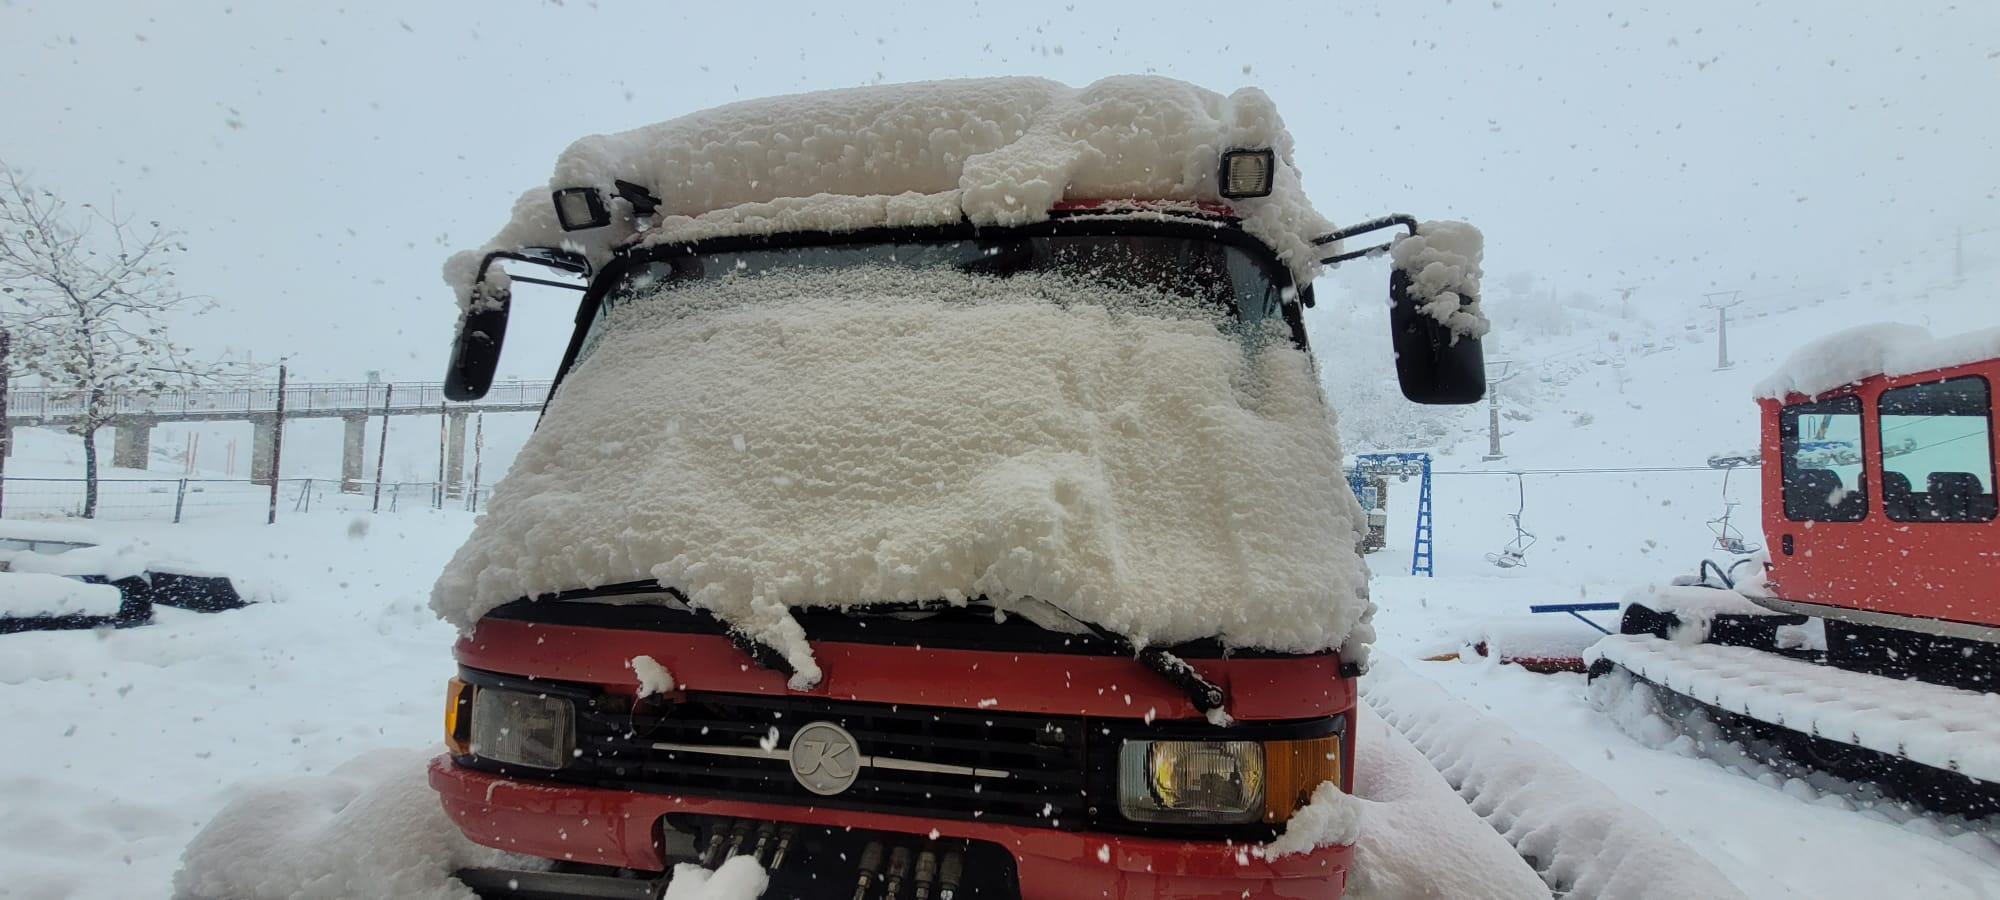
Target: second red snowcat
1869,646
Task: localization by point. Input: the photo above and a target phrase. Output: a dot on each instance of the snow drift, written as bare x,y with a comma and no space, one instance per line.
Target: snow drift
1585,841
371,828
995,151
1417,839
771,441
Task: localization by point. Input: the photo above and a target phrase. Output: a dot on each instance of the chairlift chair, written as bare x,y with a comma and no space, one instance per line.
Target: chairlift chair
1728,538
1515,554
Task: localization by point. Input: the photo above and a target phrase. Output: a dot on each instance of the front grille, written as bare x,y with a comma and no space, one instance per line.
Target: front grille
1045,757
1062,771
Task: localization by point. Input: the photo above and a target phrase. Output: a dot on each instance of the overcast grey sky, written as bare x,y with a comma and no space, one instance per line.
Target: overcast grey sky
324,159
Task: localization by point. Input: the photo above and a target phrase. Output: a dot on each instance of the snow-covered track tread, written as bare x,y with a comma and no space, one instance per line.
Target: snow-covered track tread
1584,841
1942,727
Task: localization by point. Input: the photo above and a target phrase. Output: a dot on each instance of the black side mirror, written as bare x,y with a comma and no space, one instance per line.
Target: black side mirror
482,329
1434,365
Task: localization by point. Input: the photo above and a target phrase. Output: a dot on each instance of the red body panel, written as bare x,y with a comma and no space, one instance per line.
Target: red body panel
615,827
1935,570
1277,688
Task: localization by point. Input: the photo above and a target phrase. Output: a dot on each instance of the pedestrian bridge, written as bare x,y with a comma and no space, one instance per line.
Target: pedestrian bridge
133,417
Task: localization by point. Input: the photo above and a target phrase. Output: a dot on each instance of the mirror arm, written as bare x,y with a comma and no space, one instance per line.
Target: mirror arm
1360,228
554,284
541,256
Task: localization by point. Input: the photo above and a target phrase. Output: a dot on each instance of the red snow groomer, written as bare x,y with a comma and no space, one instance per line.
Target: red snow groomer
1873,650
941,745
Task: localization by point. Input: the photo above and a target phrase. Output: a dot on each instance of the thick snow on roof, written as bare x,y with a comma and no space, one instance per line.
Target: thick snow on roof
778,440
1883,348
995,151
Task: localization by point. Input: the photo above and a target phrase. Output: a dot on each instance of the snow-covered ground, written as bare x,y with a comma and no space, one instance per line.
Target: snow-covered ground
118,746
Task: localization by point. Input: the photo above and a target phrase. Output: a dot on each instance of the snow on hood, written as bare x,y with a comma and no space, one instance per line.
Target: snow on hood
780,440
1882,348
996,151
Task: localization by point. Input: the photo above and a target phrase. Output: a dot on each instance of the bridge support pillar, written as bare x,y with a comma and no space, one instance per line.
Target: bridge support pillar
131,445
263,437
353,452
454,457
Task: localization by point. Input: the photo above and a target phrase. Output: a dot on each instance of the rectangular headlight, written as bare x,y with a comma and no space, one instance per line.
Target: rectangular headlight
523,729
1191,782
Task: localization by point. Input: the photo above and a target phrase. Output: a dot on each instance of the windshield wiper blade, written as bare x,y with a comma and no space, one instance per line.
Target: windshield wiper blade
764,655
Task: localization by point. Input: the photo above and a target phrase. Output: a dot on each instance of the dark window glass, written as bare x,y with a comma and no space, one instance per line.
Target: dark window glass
1823,472
1937,452
1242,288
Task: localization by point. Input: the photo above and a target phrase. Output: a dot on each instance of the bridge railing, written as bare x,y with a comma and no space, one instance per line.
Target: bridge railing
43,403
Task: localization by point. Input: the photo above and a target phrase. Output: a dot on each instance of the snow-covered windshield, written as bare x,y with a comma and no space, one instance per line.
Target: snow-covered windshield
857,429
1231,284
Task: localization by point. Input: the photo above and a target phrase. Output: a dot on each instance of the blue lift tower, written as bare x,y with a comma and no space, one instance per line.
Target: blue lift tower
1403,465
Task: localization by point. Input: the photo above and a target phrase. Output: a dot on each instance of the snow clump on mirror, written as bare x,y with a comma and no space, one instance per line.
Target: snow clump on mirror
1442,259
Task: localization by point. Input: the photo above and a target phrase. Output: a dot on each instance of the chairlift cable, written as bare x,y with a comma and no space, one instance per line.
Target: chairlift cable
1614,470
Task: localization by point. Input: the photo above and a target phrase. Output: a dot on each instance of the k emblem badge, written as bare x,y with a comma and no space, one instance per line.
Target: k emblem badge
825,758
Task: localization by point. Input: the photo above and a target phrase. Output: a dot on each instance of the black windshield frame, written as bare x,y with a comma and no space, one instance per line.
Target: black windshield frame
1083,223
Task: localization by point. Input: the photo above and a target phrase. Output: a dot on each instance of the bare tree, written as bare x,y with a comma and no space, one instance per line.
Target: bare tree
87,295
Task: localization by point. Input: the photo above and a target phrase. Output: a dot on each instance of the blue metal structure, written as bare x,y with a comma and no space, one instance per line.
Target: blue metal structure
1576,610
1404,464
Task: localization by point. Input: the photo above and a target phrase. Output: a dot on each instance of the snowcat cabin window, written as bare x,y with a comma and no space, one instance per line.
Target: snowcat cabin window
1937,451
1823,464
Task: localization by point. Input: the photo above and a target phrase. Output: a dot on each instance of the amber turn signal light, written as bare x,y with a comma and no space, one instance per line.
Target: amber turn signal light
458,717
1294,769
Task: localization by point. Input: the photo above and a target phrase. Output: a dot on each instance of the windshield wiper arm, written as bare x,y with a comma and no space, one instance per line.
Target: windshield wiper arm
1207,697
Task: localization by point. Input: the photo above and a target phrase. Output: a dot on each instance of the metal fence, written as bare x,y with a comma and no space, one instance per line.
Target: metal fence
29,404
206,499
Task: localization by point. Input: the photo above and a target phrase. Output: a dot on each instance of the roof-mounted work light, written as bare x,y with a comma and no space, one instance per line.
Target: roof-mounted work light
1247,173
579,208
